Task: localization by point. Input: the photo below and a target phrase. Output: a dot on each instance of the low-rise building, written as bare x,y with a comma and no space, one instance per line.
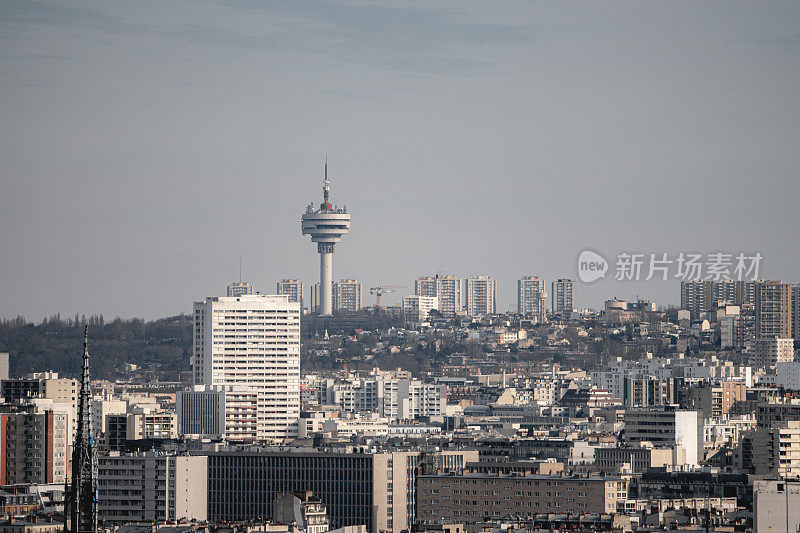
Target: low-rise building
416,308
474,497
638,459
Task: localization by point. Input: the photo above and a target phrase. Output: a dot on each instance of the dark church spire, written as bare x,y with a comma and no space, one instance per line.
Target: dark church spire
82,498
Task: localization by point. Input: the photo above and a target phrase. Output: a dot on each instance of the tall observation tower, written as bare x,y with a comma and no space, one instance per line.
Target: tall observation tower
326,226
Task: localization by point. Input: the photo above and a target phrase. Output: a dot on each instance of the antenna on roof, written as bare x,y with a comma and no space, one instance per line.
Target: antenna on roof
326,185
240,269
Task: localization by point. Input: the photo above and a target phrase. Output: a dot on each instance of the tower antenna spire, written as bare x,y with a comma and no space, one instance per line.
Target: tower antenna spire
240,269
326,186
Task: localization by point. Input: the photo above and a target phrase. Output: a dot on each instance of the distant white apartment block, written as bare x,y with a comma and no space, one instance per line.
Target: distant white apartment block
293,288
698,296
252,341
391,398
564,294
239,288
347,295
481,296
447,288
532,298
425,286
416,308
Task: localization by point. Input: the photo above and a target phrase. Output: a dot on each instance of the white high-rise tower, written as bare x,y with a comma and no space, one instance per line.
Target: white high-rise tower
326,226
251,343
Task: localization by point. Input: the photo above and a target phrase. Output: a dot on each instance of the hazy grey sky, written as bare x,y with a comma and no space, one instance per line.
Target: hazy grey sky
146,146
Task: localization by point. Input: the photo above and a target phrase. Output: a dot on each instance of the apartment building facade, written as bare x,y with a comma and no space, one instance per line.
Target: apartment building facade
470,498
417,308
347,295
151,487
293,288
481,296
252,341
565,295
532,298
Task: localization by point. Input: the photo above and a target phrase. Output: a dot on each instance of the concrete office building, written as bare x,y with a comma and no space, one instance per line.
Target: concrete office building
638,459
347,295
252,341
416,308
471,498
151,487
221,412
326,225
565,295
676,429
293,288
773,307
201,411
532,298
481,296
374,489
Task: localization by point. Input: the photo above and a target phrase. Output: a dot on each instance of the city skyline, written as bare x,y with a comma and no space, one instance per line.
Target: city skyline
468,139
566,293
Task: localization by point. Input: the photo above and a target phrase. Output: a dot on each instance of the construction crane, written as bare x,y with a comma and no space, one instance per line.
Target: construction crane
380,290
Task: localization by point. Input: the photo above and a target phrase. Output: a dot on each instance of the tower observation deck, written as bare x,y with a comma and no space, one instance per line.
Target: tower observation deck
326,226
